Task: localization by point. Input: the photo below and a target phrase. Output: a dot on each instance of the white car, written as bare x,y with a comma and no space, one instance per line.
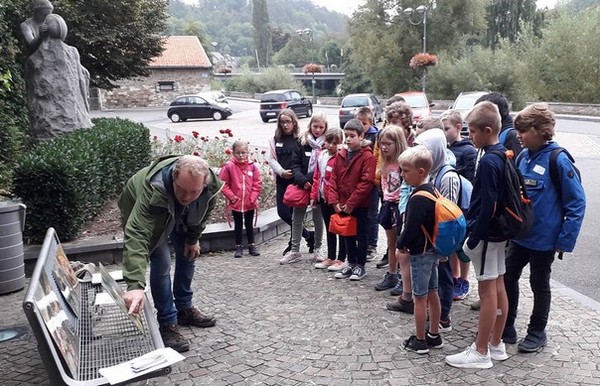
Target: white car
215,96
463,103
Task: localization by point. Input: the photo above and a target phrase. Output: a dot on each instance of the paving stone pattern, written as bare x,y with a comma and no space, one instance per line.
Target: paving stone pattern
295,325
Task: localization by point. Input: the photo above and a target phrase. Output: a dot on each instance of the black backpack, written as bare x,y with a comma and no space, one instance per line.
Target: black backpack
514,219
554,169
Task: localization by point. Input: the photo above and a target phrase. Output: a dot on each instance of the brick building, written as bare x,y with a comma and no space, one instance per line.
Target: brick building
183,68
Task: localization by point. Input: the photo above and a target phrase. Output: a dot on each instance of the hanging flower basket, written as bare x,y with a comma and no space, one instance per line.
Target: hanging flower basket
422,59
312,68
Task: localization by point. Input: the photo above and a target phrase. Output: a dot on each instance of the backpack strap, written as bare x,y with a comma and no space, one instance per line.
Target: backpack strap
553,163
433,198
438,180
504,134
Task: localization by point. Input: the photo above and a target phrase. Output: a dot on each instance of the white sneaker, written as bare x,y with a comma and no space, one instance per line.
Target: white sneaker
319,255
324,264
470,359
498,353
291,257
337,266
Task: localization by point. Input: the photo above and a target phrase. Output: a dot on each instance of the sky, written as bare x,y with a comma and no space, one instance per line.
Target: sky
349,6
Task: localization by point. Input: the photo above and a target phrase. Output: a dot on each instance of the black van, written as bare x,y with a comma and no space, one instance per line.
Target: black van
272,102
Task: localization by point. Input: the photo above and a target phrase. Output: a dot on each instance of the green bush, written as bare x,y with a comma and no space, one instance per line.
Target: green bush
272,78
66,181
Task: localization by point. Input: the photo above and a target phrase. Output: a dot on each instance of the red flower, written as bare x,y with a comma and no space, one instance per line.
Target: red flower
263,152
195,134
228,131
196,153
178,138
222,131
228,151
230,134
203,139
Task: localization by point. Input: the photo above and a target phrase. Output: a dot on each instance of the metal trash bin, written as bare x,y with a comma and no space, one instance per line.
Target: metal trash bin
12,264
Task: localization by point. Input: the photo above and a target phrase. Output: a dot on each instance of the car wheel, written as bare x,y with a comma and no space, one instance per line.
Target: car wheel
217,115
175,117
265,120
309,112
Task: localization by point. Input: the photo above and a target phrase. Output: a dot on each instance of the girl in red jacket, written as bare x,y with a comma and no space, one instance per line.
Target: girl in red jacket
319,196
242,185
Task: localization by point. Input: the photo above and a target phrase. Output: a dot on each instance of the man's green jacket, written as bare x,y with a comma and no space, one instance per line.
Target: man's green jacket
147,211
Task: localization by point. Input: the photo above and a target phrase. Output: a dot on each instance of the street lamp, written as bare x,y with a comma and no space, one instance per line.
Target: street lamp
422,12
306,35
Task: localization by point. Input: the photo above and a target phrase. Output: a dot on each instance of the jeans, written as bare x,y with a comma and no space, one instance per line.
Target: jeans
372,216
356,246
540,267
298,227
424,273
332,238
169,299
445,288
239,219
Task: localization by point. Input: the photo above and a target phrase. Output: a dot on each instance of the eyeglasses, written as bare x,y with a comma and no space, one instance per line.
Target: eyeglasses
285,121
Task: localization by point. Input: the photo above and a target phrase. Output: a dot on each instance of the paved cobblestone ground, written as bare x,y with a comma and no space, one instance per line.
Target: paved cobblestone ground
295,325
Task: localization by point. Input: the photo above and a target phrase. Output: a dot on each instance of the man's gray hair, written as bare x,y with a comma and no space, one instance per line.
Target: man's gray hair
194,165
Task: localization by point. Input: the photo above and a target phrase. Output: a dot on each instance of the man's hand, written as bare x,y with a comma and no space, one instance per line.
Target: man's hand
287,174
134,300
192,251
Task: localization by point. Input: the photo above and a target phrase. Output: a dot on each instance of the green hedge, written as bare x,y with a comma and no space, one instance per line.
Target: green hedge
66,181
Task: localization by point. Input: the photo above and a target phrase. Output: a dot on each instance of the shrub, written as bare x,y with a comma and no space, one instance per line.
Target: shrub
272,78
66,181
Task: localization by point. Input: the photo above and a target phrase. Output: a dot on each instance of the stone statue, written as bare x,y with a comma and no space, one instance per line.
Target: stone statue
57,83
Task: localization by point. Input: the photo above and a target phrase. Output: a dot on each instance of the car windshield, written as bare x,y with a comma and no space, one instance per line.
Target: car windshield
465,102
417,101
268,98
355,102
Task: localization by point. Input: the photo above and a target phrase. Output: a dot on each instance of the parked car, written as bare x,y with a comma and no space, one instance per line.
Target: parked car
193,106
215,96
272,102
351,103
419,104
463,103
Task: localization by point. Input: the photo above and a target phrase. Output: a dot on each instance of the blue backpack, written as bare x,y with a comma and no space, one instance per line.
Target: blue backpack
466,187
504,134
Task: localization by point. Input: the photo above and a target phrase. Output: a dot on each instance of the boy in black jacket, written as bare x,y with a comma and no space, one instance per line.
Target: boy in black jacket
420,211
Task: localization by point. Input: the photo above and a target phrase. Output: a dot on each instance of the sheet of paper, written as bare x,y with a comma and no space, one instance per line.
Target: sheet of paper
117,275
102,299
124,372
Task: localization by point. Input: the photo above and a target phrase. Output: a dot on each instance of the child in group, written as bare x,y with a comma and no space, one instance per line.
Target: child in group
558,206
281,147
400,114
485,245
449,185
391,144
304,162
365,116
415,164
351,184
465,154
242,185
334,137
508,135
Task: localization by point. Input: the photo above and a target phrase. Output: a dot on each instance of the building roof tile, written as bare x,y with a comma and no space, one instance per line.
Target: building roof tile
182,52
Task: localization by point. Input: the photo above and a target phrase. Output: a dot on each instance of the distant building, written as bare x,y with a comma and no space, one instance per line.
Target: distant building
182,68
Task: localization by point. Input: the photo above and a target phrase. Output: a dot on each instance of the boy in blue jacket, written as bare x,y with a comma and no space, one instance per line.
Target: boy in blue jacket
557,221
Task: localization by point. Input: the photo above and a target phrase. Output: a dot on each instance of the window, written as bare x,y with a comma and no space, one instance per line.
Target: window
165,85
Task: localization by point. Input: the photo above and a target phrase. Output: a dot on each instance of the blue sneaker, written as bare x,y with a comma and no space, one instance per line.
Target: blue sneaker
358,273
345,273
461,289
397,290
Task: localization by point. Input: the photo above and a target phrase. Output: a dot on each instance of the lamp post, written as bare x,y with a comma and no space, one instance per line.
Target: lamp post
306,36
422,12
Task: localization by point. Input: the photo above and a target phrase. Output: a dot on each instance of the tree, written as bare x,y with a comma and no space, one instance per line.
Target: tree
262,32
115,39
279,38
506,19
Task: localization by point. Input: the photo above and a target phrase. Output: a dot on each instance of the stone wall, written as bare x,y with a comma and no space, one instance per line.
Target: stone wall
144,92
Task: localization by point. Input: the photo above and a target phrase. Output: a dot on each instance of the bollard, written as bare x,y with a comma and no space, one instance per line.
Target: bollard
12,265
